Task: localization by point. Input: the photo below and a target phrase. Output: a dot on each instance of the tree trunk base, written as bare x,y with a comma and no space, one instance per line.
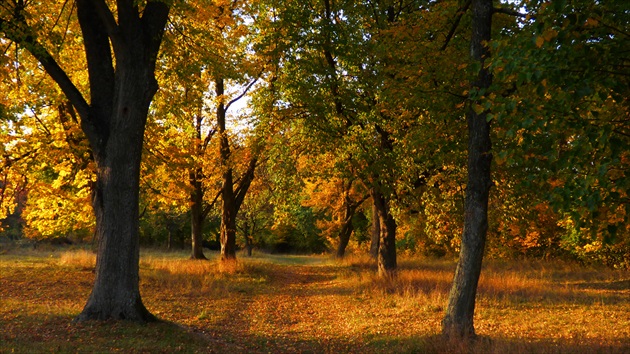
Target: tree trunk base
133,311
457,331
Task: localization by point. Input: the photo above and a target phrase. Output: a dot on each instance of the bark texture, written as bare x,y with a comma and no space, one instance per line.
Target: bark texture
350,207
386,259
197,215
375,233
115,124
458,320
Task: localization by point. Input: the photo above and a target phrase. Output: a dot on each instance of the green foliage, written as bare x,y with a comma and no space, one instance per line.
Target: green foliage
356,91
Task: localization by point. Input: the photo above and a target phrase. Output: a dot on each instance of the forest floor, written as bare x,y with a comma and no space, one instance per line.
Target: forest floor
312,304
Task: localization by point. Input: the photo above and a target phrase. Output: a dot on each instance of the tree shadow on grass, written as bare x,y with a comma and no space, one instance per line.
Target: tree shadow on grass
39,333
248,343
618,285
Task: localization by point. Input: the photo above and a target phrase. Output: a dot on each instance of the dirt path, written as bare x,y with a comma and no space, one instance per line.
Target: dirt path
299,310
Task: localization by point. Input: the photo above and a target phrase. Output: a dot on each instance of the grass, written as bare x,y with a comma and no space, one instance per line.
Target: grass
286,304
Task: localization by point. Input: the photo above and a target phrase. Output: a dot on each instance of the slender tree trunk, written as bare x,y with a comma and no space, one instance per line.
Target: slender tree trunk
386,259
231,199
196,216
228,219
228,205
458,320
345,233
249,242
376,232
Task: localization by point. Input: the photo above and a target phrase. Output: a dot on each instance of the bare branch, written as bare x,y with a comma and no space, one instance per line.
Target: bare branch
460,13
249,86
507,11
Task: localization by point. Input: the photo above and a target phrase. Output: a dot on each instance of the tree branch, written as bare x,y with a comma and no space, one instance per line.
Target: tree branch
507,11
208,137
153,21
209,206
108,21
246,181
460,13
19,32
235,99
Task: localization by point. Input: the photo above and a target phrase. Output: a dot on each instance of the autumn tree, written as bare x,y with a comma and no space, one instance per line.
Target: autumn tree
121,86
229,26
569,110
350,87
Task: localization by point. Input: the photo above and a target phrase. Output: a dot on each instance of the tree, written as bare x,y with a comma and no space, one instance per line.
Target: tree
121,87
458,319
324,197
569,110
206,84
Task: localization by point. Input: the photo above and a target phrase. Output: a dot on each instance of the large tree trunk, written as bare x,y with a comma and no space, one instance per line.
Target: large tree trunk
196,216
458,320
114,124
228,219
386,259
115,294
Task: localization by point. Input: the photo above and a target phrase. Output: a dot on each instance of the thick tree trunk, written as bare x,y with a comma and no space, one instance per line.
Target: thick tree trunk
376,232
196,216
458,320
114,123
386,259
116,294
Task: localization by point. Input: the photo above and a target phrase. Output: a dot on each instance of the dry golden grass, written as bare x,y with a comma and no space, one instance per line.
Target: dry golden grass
286,304
78,258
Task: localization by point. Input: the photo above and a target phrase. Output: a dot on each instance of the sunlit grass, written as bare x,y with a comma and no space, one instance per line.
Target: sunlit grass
78,258
273,303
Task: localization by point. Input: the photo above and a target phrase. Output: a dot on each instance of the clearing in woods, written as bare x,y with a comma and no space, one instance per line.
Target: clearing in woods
289,304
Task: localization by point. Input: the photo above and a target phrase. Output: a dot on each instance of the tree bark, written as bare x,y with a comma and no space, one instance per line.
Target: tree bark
116,294
458,320
249,242
386,259
376,232
228,205
196,215
345,233
349,209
